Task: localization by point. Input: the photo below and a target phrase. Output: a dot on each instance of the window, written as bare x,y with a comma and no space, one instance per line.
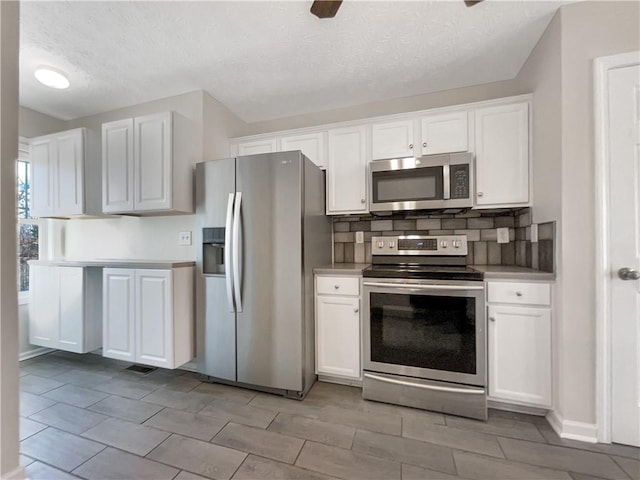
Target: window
28,227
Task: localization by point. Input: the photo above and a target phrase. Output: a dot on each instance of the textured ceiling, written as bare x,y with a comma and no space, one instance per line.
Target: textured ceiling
267,59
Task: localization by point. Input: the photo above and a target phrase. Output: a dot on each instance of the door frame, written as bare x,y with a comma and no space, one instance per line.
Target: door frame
602,164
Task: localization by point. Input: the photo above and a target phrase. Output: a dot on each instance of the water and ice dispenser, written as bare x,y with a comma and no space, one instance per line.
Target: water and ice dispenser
213,251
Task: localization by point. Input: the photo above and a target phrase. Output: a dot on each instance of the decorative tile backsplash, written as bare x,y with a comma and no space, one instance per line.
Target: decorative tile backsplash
478,226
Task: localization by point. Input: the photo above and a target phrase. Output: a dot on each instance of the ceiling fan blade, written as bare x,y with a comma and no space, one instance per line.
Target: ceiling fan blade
325,8
471,3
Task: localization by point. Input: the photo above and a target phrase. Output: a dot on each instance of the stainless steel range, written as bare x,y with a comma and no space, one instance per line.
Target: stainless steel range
424,327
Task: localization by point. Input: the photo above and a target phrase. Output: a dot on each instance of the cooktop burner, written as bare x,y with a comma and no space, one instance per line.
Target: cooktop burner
438,272
421,257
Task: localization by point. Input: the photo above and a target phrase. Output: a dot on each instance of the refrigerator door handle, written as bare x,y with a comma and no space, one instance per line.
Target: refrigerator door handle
227,254
237,277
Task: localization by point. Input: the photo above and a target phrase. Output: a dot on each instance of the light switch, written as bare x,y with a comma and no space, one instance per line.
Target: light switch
359,237
534,233
184,238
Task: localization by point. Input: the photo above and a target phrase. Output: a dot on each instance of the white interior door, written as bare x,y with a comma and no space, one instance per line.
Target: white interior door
623,145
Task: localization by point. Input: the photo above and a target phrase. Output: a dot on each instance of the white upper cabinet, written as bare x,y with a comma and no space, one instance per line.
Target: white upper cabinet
445,133
117,166
254,147
502,155
147,165
63,169
347,171
392,139
311,145
42,159
152,152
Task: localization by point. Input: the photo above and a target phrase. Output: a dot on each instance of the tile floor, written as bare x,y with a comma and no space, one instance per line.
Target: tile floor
85,416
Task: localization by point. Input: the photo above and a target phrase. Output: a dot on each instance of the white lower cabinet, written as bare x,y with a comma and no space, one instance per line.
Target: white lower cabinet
65,308
338,330
148,315
519,346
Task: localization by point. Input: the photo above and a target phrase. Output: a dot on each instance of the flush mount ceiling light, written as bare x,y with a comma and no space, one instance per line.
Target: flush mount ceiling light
51,77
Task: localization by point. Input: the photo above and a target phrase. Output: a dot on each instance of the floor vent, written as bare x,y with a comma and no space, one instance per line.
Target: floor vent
141,369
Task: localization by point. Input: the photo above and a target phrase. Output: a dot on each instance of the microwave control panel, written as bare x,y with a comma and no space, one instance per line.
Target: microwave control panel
459,181
419,245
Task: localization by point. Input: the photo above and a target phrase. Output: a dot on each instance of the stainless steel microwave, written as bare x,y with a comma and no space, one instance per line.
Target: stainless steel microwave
429,182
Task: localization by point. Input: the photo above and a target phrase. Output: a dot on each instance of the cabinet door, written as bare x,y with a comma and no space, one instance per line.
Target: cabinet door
254,147
71,333
42,159
347,171
44,309
118,313
69,173
502,155
154,318
311,144
117,166
520,354
153,153
338,336
393,139
445,133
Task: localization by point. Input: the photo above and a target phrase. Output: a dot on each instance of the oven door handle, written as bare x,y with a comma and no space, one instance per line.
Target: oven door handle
479,391
415,286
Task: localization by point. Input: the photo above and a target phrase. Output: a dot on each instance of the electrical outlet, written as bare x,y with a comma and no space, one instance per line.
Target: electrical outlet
359,237
534,233
184,238
503,235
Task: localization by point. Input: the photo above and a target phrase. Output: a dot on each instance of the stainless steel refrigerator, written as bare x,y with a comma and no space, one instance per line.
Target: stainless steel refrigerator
260,230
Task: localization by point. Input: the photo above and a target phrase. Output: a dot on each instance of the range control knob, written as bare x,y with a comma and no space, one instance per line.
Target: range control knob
392,244
456,243
380,244
444,244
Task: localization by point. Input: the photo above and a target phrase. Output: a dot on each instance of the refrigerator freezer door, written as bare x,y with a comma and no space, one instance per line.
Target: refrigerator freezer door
216,324
270,327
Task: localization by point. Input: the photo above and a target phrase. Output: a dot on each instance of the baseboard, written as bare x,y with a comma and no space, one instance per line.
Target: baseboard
580,431
340,381
17,474
35,353
513,407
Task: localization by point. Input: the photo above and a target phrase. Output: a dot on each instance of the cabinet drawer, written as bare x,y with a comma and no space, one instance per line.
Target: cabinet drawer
338,285
519,293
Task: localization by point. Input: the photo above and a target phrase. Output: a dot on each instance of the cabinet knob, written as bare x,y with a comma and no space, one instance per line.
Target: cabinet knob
411,146
356,310
424,144
480,194
362,200
492,319
518,294
336,287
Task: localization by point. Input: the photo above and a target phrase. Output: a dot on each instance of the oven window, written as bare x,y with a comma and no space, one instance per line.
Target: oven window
407,185
435,332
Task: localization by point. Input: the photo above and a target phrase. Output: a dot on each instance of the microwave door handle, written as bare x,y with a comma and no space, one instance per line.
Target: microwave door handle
227,254
446,183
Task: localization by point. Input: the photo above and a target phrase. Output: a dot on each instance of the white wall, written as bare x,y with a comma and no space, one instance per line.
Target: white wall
33,124
475,93
9,40
589,30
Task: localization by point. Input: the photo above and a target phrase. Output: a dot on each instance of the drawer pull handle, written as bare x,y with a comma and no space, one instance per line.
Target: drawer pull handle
518,294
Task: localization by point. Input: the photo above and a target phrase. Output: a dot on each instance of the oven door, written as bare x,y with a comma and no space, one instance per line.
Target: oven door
425,329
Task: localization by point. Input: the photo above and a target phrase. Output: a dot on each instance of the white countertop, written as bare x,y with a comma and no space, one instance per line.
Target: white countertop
116,263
